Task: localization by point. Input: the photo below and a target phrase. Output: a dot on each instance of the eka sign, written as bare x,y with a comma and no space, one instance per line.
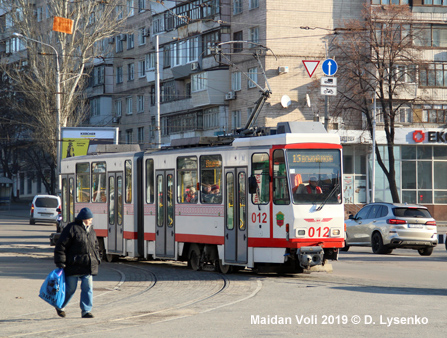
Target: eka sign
431,136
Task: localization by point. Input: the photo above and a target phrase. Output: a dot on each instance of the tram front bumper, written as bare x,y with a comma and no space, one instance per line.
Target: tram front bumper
309,256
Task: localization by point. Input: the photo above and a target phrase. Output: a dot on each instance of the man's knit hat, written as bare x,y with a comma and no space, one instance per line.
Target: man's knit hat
85,213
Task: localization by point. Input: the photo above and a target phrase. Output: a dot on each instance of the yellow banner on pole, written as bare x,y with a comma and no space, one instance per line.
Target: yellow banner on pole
63,25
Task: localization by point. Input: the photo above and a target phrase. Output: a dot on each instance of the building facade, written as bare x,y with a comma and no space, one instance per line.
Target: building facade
216,56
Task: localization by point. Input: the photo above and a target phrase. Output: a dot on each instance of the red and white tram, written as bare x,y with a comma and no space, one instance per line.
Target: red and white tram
245,204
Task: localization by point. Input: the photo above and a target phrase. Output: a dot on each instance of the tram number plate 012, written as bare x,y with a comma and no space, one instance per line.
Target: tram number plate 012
318,232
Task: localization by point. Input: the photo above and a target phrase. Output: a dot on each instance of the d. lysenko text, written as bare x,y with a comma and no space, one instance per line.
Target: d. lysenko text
338,319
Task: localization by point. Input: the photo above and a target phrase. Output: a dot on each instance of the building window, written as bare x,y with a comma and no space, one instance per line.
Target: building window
404,73
95,107
39,14
141,135
430,35
236,79
150,61
167,91
119,74
238,46
142,36
119,12
141,6
140,103
98,75
254,36
253,4
433,113
253,76
404,114
118,44
393,2
118,108
236,119
211,118
237,7
130,41
177,51
169,21
209,41
157,24
192,48
130,8
199,82
141,68
129,105
129,136
433,75
166,56
130,71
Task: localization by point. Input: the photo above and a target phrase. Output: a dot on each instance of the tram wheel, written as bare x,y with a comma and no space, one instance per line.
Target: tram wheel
194,257
223,268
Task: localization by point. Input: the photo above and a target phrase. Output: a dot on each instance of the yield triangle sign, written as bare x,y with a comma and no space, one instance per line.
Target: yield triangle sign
310,66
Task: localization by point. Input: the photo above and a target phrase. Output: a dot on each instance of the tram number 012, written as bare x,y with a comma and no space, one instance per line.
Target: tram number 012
319,232
259,218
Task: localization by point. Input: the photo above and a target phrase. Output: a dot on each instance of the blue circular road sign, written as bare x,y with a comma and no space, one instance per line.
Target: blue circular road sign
329,67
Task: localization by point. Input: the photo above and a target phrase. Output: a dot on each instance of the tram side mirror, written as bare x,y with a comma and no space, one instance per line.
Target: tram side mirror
252,185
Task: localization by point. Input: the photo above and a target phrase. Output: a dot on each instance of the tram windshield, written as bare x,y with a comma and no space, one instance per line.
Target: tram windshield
315,175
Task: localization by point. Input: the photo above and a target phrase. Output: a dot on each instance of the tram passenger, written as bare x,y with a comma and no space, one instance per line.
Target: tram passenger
206,193
217,196
313,188
191,195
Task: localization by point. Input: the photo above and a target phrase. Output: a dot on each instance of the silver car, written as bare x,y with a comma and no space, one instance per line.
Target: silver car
44,208
386,226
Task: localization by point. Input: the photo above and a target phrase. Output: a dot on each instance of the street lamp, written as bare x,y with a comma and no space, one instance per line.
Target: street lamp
58,104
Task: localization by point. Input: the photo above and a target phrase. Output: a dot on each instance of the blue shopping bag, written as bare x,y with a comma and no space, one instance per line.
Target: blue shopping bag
53,288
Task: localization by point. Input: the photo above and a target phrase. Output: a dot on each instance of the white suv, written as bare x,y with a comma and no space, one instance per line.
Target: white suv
44,209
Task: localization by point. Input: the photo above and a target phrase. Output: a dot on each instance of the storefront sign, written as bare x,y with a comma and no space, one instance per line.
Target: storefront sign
431,136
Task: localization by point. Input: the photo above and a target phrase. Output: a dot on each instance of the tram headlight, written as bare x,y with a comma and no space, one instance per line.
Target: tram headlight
335,232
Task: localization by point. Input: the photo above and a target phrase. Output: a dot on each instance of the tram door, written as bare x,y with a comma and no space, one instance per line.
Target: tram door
68,199
236,236
165,229
115,213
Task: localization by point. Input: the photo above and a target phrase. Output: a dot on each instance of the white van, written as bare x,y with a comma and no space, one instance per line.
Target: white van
43,209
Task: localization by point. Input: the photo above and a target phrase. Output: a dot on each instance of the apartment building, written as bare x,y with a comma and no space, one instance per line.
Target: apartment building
217,56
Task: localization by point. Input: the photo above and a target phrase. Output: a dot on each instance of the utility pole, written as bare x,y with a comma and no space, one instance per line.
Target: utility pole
157,94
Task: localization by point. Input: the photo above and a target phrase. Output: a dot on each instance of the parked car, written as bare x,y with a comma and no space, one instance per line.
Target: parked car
44,209
386,226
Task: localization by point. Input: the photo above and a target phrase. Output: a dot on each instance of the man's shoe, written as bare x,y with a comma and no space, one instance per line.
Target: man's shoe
60,313
87,315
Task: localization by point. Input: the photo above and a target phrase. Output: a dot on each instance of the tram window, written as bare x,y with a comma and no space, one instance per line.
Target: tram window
65,200
280,186
82,182
99,182
128,181
150,181
260,170
230,201
210,179
186,179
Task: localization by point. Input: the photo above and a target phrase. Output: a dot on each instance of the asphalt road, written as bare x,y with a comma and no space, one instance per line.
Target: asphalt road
397,295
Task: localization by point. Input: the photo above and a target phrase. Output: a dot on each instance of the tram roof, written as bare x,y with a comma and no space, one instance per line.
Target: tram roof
288,138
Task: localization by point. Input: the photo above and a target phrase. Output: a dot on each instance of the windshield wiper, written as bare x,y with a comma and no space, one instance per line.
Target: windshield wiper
329,196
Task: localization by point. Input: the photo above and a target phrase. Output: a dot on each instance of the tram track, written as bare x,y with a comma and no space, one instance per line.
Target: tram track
141,294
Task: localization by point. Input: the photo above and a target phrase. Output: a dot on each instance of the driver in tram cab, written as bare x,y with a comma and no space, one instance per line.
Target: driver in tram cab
313,188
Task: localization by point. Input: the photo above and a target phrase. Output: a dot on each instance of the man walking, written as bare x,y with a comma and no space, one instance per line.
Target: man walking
77,252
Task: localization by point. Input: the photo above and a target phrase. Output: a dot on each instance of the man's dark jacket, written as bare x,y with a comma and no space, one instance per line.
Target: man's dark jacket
77,250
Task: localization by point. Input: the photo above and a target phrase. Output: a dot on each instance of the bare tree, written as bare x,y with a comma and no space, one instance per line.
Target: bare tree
378,57
32,66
